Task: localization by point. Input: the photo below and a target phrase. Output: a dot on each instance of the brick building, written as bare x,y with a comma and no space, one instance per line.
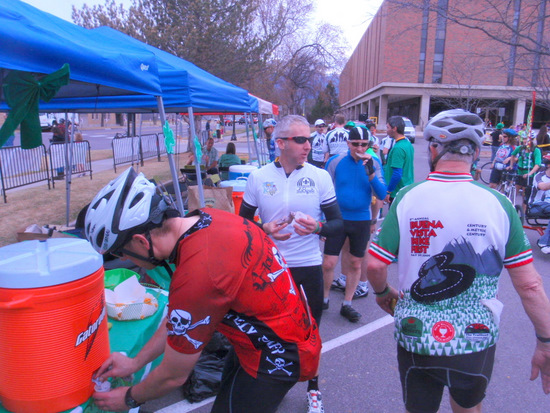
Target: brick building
415,60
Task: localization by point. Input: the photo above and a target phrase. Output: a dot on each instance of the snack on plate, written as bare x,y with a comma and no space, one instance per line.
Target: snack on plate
130,301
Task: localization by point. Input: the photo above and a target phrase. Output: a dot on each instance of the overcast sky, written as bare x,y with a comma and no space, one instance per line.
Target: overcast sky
353,16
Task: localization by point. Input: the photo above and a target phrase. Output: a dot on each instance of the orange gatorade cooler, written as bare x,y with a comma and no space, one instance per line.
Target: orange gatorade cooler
53,322
238,186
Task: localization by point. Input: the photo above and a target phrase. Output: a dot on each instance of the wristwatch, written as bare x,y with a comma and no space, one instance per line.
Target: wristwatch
130,401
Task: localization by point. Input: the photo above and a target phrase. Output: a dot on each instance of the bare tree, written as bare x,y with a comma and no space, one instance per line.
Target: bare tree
231,39
268,47
302,65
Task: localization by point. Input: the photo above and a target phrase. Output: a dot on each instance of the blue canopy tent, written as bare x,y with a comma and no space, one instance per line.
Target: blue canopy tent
185,88
183,84
37,42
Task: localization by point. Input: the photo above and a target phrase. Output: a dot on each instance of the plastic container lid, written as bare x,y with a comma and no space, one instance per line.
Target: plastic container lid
32,264
238,185
242,168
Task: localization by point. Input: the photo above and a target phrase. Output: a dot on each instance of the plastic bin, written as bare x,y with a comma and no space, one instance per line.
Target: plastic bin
239,171
238,186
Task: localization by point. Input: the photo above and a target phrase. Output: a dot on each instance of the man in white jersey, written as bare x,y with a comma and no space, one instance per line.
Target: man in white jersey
319,147
337,138
453,237
291,196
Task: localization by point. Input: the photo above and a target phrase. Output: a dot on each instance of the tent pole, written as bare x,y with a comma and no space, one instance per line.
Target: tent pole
170,154
233,135
246,125
255,142
139,140
68,163
197,161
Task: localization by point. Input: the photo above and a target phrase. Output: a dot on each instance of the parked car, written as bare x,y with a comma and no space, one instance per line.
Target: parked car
241,120
410,132
45,123
228,120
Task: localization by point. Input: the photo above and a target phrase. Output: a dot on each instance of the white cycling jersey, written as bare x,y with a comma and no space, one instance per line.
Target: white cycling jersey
337,141
276,196
318,146
453,237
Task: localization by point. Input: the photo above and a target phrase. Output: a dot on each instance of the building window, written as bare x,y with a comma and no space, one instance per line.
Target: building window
440,32
423,41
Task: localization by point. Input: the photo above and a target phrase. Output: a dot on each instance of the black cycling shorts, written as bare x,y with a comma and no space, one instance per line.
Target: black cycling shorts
423,378
496,176
311,278
358,233
242,393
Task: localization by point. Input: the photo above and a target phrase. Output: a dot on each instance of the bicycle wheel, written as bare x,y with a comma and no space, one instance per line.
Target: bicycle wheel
512,194
486,172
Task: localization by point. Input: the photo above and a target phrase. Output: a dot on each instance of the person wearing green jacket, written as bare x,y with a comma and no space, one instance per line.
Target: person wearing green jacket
227,159
528,159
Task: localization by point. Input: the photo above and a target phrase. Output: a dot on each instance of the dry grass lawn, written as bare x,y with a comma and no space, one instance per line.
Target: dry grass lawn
38,205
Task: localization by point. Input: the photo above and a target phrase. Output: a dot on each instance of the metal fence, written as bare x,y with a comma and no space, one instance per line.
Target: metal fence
20,167
150,146
125,150
135,149
60,156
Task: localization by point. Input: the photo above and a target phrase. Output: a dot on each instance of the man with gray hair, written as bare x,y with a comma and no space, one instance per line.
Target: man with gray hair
451,254
291,197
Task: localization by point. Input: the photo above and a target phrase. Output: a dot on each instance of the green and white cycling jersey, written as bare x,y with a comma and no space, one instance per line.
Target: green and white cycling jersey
453,237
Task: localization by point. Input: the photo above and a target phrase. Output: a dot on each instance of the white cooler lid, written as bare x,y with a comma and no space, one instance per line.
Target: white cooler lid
238,185
242,168
33,264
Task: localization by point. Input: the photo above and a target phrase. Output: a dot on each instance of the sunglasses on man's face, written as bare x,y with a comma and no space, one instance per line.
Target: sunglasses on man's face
362,144
298,139
321,126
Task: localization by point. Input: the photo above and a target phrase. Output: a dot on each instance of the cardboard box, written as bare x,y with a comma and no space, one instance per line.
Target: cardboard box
23,235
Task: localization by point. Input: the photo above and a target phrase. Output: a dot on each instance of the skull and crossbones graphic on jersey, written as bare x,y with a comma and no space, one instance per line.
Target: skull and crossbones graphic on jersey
284,266
181,323
279,364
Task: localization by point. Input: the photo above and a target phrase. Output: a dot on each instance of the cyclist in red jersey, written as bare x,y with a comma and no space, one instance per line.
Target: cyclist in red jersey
242,288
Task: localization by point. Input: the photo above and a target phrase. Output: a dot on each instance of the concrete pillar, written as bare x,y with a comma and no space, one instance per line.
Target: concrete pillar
371,110
383,111
519,111
424,111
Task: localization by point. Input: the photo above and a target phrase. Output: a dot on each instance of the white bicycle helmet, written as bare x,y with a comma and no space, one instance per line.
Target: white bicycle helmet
128,205
269,123
455,124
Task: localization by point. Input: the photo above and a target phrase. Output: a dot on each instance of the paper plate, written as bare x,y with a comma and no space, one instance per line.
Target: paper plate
131,311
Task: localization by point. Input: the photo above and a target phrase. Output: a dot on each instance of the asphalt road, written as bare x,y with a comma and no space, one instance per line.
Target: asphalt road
359,368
